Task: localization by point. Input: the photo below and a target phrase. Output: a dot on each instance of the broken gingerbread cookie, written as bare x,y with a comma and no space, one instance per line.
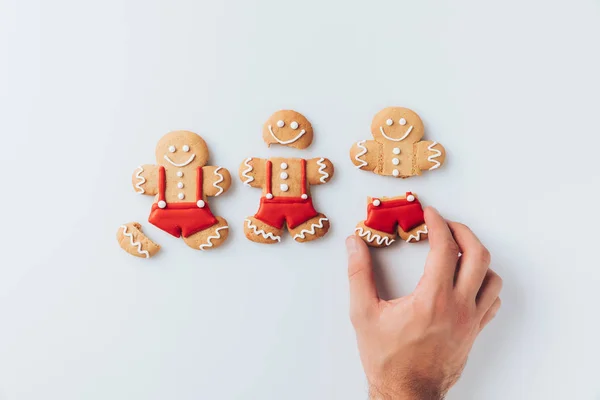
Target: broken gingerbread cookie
389,217
397,149
286,198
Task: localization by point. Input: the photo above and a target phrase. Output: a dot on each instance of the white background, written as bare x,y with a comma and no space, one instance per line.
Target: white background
511,88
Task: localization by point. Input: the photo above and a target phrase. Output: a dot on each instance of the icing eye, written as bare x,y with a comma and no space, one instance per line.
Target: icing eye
402,121
185,148
172,149
389,122
294,125
280,123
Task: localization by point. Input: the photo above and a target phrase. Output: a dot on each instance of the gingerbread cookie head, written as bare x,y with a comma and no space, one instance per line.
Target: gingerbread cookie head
288,128
397,125
181,149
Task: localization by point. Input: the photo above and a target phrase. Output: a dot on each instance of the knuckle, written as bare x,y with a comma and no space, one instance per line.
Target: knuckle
483,255
358,315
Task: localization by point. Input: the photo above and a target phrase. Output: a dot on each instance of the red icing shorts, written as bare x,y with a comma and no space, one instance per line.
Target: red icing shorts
389,213
182,218
293,210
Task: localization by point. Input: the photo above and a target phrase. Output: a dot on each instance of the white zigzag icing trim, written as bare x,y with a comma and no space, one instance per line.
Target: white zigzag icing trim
373,236
360,154
134,244
417,235
141,180
322,167
262,232
217,236
221,179
432,157
312,231
245,172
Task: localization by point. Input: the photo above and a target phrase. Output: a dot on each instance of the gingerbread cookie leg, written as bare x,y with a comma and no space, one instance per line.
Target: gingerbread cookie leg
312,229
374,237
209,238
414,235
132,240
260,232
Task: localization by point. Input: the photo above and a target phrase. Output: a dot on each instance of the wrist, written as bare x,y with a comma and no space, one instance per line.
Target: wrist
411,391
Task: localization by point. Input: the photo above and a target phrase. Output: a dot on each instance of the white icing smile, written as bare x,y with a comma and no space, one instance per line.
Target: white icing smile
408,131
302,132
182,164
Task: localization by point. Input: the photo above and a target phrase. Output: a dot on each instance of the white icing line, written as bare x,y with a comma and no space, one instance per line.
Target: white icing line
245,172
432,157
357,157
322,167
417,235
373,236
182,164
262,232
409,130
217,236
133,243
302,132
141,181
312,231
221,179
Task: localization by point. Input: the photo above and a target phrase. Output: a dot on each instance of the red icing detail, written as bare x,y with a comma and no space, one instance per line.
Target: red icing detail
293,210
268,177
181,218
385,217
303,162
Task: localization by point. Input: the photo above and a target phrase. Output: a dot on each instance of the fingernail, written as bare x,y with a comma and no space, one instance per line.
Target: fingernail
351,246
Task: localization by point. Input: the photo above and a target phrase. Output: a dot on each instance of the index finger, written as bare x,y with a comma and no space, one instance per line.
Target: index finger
442,259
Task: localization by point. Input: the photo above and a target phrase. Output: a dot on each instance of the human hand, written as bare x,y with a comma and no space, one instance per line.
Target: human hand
416,346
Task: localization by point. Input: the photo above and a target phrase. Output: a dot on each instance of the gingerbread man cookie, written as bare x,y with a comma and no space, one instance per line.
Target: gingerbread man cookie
288,128
181,183
397,149
391,216
285,184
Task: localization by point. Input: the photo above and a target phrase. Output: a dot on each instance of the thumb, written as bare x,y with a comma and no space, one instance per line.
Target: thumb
363,292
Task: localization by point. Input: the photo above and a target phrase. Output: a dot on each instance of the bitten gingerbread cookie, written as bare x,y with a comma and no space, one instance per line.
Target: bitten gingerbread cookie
391,216
285,198
397,149
132,240
181,184
288,128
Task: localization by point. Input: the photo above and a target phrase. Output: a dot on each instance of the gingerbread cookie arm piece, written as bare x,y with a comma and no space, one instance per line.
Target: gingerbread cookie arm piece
430,155
252,172
217,180
132,240
365,154
319,171
145,179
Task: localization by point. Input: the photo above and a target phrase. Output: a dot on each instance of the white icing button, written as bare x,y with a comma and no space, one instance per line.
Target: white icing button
181,196
185,148
200,203
269,196
172,149
162,204
395,172
283,175
402,121
180,185
283,165
376,202
280,123
284,187
304,196
396,150
410,197
179,174
395,161
294,125
389,122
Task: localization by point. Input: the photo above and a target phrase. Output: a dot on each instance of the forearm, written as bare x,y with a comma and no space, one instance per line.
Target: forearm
415,390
